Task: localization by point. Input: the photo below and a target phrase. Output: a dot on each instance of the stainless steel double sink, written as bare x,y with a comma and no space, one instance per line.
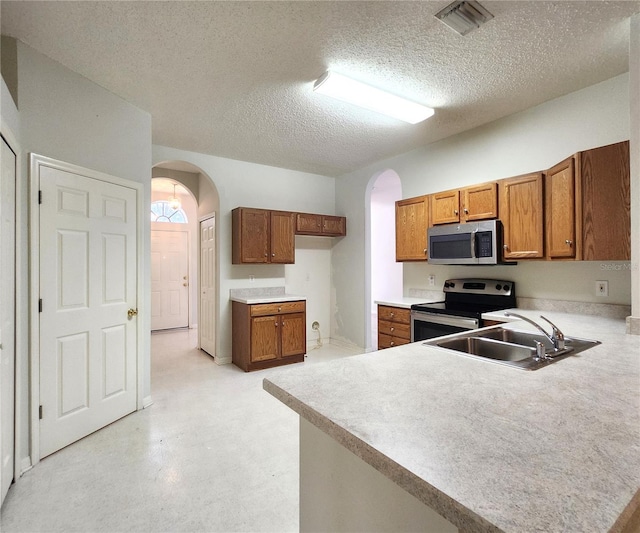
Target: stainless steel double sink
510,347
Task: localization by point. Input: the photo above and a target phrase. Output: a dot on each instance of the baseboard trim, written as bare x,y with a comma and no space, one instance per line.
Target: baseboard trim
147,401
25,465
345,344
633,325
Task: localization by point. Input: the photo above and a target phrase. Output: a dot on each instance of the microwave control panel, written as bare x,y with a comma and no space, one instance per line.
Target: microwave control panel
484,244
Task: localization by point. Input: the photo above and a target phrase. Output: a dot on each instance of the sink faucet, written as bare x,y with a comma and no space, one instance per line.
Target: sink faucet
556,337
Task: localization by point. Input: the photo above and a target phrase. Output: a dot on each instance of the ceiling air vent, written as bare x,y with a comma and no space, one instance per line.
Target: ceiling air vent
464,16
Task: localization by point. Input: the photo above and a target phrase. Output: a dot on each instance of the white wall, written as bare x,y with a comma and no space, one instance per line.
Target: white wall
245,184
528,141
67,117
386,273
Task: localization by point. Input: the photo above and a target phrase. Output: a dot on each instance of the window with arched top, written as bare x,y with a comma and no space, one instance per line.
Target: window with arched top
161,211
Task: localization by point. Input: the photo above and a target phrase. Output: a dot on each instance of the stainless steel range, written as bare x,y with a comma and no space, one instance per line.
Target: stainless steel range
465,302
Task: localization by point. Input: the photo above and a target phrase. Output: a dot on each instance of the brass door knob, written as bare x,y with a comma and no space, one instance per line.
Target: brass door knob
131,313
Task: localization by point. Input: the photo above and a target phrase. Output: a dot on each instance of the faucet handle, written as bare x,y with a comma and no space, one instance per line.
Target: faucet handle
558,336
540,351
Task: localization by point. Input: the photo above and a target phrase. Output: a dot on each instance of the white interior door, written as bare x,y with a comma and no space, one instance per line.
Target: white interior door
207,325
88,283
7,315
169,279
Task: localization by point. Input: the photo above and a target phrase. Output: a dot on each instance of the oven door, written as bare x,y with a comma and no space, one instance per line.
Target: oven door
425,326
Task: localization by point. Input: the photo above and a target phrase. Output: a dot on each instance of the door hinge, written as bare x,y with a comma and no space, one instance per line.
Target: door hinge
40,305
40,412
39,197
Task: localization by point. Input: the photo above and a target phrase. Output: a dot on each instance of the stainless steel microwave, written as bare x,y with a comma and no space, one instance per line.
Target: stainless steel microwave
474,243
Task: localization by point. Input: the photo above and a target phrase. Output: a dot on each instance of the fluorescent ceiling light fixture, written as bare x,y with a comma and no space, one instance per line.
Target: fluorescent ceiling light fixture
464,16
357,93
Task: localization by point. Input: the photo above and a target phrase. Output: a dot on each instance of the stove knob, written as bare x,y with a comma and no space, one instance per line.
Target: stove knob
506,287
498,286
452,285
447,285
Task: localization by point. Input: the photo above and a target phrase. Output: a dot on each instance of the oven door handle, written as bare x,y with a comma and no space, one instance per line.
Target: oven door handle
435,318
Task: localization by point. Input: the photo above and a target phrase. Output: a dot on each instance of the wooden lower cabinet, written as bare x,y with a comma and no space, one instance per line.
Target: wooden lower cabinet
267,335
394,326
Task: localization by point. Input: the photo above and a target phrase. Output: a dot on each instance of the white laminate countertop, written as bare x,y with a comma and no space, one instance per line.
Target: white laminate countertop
407,302
263,295
490,447
267,299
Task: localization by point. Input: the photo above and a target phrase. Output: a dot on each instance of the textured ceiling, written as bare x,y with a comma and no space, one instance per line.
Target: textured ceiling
234,78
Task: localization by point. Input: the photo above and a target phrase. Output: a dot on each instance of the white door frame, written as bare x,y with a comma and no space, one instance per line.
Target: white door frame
19,347
37,161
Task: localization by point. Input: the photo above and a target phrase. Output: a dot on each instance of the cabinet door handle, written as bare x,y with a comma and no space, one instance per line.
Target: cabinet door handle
276,324
569,242
392,343
273,255
391,315
279,309
455,211
466,211
425,250
393,329
505,246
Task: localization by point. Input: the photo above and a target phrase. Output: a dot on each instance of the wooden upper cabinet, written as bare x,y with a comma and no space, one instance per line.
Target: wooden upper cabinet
282,237
522,216
587,206
250,238
321,225
336,226
262,236
308,224
445,207
606,203
562,193
412,220
479,202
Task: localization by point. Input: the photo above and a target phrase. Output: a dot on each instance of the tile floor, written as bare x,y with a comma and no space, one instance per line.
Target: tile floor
214,452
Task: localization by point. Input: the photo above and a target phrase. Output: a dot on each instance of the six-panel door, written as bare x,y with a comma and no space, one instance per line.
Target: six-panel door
88,282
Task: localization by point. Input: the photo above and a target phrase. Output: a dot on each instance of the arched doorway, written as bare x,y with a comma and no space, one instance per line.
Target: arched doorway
174,259
203,281
383,273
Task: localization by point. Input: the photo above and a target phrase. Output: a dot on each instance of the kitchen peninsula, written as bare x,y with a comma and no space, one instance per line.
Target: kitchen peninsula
469,444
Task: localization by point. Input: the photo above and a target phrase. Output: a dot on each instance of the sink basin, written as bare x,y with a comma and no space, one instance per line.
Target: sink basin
510,347
487,347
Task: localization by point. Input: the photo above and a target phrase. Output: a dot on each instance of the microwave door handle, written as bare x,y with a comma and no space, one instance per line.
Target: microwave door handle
473,244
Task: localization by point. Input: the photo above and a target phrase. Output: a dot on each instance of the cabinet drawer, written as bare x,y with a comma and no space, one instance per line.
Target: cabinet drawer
395,329
278,308
388,341
394,314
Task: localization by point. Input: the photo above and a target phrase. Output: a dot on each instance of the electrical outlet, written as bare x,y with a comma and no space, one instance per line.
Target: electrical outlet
432,280
602,288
